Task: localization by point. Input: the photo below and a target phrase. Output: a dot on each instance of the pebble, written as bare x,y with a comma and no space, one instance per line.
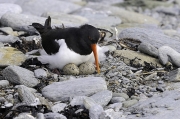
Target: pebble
125,96
168,54
40,73
116,106
129,103
8,39
58,107
111,114
174,75
77,100
117,99
86,68
24,116
71,69
51,115
4,83
74,87
19,75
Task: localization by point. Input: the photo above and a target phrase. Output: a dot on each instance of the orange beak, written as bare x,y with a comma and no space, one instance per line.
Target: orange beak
94,49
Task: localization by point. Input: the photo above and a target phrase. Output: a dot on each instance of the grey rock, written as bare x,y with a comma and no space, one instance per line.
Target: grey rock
94,109
168,10
22,21
124,95
168,54
148,49
111,114
9,31
26,95
74,19
37,7
116,106
40,116
8,39
51,115
154,37
9,7
18,75
132,17
58,107
40,73
77,100
174,75
98,18
24,116
4,83
71,69
102,98
129,103
86,68
117,99
74,87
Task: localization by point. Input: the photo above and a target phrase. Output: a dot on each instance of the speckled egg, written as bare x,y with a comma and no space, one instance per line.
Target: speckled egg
86,68
71,69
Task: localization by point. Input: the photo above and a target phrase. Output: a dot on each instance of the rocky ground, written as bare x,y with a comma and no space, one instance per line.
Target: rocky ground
139,78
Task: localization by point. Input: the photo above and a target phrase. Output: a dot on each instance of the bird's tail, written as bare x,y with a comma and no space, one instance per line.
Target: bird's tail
40,28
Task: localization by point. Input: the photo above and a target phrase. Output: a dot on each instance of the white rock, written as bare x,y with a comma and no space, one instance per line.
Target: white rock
117,99
77,100
61,91
40,73
8,7
51,115
4,83
110,114
58,107
115,106
18,75
168,54
24,116
26,95
102,98
95,111
174,75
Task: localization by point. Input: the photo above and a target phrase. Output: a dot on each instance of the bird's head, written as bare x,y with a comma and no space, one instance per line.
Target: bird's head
92,35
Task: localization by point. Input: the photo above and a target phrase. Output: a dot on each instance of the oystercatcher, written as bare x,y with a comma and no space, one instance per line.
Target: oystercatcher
69,45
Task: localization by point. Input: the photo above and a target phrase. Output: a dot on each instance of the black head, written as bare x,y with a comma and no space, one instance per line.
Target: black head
91,33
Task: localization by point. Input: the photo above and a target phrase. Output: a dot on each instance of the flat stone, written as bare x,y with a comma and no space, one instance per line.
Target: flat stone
11,56
9,7
117,99
129,54
77,100
148,49
154,37
24,116
115,106
168,54
9,31
74,87
102,98
19,75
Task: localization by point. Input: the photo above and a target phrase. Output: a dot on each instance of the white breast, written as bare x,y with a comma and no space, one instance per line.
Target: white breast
66,56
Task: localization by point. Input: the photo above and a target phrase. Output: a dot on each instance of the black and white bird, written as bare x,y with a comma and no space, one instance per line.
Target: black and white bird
69,45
